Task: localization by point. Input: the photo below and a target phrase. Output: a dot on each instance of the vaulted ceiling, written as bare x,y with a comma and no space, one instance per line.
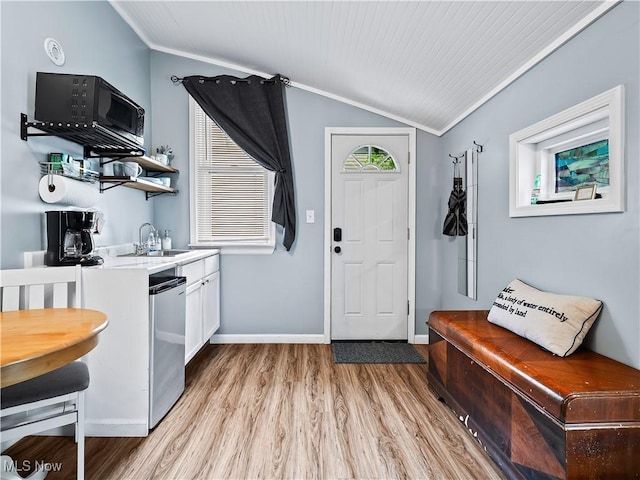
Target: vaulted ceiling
426,63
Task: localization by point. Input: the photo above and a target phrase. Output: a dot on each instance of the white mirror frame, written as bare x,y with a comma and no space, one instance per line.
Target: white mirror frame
468,244
587,119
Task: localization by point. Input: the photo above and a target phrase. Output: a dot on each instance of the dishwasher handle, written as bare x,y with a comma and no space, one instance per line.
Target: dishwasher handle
162,284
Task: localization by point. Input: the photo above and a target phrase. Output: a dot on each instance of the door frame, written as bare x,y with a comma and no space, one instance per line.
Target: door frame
329,132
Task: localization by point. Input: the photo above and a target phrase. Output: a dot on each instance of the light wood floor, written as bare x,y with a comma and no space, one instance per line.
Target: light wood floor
285,412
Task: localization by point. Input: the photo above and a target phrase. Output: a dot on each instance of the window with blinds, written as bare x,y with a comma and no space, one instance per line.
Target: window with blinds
231,194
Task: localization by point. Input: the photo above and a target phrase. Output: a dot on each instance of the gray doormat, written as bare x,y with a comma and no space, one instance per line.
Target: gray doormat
375,352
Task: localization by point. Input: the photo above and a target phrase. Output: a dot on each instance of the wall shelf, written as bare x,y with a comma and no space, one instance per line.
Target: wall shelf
93,137
151,189
99,142
148,163
70,171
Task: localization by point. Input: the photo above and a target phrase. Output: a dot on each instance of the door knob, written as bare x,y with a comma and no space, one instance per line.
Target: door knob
337,249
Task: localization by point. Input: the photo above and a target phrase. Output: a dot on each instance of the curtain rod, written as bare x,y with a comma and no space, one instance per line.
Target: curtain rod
285,81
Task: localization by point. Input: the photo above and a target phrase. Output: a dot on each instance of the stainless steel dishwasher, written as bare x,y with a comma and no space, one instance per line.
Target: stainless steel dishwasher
167,316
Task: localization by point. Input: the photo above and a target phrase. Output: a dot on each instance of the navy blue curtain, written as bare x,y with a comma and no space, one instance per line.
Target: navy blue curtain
252,112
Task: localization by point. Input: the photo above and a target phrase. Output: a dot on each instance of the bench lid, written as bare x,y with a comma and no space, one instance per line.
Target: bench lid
585,387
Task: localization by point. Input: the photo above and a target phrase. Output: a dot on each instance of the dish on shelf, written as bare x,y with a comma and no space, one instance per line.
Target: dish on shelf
163,181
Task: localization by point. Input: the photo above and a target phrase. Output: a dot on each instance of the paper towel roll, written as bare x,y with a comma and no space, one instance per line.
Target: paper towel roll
67,191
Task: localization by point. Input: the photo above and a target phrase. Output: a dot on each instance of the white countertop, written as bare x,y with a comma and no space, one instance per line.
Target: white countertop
154,264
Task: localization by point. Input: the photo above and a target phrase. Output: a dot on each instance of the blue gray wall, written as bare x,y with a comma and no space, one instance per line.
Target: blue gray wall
97,41
588,255
283,293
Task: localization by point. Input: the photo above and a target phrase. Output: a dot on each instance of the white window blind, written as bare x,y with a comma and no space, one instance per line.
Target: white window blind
233,193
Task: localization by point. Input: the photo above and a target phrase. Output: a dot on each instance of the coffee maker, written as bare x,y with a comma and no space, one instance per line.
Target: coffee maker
70,238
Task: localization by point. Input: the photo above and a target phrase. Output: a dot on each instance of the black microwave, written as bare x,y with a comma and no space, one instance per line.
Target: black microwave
87,99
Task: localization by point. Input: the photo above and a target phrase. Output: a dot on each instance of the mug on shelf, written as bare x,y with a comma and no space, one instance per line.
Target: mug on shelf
118,169
107,169
132,169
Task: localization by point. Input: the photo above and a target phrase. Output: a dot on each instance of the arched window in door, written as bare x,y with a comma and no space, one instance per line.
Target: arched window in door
370,158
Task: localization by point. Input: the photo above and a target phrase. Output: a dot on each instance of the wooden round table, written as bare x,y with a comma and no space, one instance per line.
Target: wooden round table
34,342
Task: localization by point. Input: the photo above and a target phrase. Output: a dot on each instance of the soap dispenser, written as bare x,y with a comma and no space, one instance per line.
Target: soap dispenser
166,240
151,242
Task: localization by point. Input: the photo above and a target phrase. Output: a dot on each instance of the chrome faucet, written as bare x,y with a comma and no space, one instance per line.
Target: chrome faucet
143,247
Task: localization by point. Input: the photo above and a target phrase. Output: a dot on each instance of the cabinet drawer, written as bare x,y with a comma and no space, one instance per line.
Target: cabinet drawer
211,264
194,271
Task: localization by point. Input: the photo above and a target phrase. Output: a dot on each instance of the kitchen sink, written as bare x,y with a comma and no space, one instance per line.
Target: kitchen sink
166,253
158,253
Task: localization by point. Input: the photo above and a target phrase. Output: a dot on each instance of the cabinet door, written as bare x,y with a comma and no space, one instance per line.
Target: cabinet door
194,272
211,305
193,325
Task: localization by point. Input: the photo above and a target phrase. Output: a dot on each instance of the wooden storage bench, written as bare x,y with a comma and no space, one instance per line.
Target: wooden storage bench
537,415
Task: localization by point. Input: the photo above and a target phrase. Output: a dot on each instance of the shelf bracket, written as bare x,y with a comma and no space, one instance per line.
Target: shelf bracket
149,195
24,129
113,185
153,174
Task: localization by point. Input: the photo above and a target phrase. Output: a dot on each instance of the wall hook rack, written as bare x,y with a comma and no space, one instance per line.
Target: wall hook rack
479,148
456,160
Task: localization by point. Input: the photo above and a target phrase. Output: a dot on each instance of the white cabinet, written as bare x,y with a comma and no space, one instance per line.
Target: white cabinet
194,272
117,400
211,305
193,325
203,302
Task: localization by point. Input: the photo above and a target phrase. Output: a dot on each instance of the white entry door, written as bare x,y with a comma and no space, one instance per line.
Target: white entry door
369,237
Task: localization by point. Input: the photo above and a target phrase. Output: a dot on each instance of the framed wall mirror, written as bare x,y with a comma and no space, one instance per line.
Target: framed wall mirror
468,244
554,163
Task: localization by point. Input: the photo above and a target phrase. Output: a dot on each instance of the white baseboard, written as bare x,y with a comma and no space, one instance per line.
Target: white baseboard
267,338
283,338
115,428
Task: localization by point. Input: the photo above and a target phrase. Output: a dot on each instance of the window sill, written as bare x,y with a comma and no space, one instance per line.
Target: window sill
237,249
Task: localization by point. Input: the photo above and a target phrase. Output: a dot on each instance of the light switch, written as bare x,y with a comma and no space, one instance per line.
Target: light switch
311,216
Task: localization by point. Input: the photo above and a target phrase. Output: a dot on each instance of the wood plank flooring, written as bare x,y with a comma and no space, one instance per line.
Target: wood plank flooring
285,412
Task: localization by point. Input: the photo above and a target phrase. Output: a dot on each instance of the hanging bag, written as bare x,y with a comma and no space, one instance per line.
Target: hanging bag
455,222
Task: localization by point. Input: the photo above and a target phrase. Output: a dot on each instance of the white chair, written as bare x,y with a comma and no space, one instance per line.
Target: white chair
56,398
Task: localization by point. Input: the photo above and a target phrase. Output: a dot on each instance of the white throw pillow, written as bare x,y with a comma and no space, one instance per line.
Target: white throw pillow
557,323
